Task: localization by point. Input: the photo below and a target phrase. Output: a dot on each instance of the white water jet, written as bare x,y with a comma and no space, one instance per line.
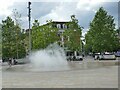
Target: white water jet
52,58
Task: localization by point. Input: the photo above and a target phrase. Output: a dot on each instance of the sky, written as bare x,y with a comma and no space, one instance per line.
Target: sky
59,10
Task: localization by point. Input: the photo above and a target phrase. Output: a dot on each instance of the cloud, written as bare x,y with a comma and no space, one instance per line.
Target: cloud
40,9
4,4
60,11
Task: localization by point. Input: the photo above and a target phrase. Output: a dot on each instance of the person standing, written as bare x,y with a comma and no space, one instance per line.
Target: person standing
10,62
14,61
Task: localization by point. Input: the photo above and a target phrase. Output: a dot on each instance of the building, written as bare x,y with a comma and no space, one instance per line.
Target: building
61,26
63,40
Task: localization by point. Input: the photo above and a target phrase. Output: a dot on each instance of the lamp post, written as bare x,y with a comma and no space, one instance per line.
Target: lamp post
75,52
29,18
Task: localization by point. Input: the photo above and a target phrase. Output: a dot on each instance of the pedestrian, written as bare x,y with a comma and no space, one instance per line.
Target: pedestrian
14,61
82,55
10,62
74,58
98,57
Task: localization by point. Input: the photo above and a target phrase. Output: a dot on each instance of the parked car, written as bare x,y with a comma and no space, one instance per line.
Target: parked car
105,56
69,55
72,56
79,57
69,58
96,56
22,61
117,54
0,61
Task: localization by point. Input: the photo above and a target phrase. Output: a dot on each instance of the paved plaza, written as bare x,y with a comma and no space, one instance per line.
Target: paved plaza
80,75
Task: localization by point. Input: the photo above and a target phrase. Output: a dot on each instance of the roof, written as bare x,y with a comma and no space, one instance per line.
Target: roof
60,21
56,22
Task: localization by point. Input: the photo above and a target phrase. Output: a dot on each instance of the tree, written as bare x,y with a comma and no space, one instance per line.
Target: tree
43,35
118,34
20,36
0,41
102,36
47,34
17,17
73,35
8,37
12,40
36,23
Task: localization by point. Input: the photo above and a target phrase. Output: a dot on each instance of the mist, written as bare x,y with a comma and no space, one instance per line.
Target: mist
52,58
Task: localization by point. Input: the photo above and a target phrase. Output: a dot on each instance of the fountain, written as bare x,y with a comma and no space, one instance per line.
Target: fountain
52,58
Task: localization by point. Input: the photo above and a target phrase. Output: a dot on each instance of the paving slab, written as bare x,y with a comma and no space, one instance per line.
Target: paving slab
75,77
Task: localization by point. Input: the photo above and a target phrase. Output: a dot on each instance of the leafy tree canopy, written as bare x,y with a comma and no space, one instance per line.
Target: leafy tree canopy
102,35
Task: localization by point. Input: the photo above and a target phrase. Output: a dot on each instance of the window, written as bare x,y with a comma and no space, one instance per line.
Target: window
64,26
78,53
67,26
61,26
58,25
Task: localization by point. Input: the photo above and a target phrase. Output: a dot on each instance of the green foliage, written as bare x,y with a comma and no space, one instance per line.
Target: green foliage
12,42
0,41
43,35
74,42
102,36
73,35
36,23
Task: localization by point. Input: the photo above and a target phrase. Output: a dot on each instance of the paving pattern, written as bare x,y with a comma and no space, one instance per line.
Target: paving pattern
75,77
